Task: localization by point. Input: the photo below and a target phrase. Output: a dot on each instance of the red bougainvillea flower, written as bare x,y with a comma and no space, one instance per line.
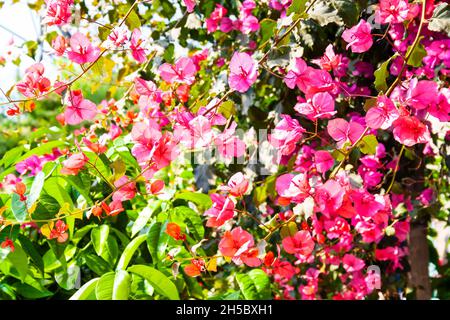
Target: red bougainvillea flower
34,83
79,109
127,189
96,147
156,186
183,71
174,231
238,244
243,72
221,211
358,37
352,263
300,243
8,243
342,131
321,106
82,50
382,114
59,231
409,130
195,268
392,11
58,12
20,189
113,209
237,185
74,164
138,52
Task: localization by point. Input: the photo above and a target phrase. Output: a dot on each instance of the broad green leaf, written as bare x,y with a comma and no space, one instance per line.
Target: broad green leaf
87,291
129,251
122,285
227,109
16,263
32,289
254,285
347,10
99,237
417,55
105,286
29,248
158,280
368,144
18,208
381,75
54,186
82,184
200,199
35,189
97,264
133,21
267,29
144,216
157,241
11,155
67,277
297,6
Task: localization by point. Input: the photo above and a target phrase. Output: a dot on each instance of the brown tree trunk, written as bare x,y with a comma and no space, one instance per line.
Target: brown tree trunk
418,260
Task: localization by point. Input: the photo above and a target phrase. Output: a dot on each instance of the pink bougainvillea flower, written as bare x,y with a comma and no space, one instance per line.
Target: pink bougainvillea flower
329,197
352,263
292,187
79,109
382,115
118,36
321,106
342,131
183,71
156,186
365,203
200,133
221,211
126,189
243,72
249,24
239,245
286,134
212,23
59,44
323,160
237,185
138,52
82,50
358,37
58,12
165,150
421,94
59,232
441,109
74,164
228,144
190,5
392,11
329,61
34,83
409,130
301,243
298,75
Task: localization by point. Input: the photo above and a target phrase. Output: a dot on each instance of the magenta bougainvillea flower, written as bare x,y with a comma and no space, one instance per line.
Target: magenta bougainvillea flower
409,130
359,37
243,72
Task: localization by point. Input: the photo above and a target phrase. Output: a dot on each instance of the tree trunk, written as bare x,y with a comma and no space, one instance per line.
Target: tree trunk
418,260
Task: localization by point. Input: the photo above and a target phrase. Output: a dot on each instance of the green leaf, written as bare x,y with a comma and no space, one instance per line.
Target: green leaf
16,263
87,291
440,21
133,21
11,155
29,248
200,199
381,75
267,29
36,188
99,238
368,144
129,251
347,10
254,285
67,277
97,264
227,108
297,6
157,241
417,55
169,53
18,208
185,217
158,280
105,286
144,216
82,184
122,285
42,149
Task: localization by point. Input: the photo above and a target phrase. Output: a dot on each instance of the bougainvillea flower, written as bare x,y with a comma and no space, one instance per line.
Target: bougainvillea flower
358,37
34,83
421,94
237,185
329,61
190,5
126,191
392,11
342,131
118,36
82,50
293,187
174,231
323,160
441,109
352,263
329,197
321,106
58,12
195,268
409,130
365,203
138,52
221,211
8,243
74,164
300,243
59,44
286,134
183,71
239,245
32,164
298,75
156,186
228,144
20,189
243,72
79,108
113,209
59,232
382,115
